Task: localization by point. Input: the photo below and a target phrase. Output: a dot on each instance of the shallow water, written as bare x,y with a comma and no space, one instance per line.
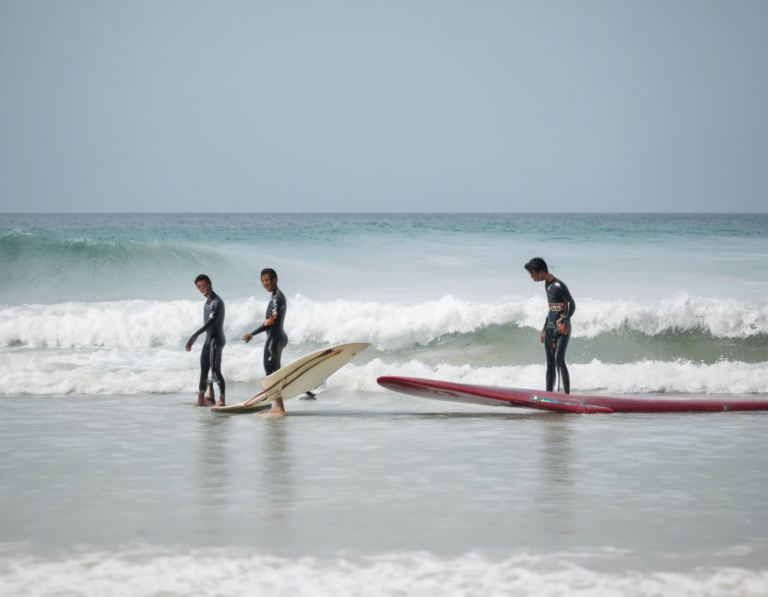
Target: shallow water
368,473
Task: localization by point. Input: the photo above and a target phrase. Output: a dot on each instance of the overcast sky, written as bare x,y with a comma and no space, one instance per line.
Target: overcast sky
382,106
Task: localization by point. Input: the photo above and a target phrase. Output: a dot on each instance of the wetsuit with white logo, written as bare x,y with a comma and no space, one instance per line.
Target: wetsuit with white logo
561,307
210,357
276,337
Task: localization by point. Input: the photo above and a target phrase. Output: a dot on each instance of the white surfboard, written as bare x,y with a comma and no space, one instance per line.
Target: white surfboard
298,377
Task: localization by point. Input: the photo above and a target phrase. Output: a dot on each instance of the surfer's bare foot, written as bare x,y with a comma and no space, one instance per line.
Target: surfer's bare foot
221,402
210,402
200,401
274,413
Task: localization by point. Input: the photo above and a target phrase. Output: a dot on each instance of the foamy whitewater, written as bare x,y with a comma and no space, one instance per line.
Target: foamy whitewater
113,486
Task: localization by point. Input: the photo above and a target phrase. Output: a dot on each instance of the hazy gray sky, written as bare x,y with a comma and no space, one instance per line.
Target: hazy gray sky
383,106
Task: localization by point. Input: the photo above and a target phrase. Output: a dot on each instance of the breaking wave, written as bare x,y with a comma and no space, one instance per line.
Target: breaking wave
684,344
109,372
145,572
388,326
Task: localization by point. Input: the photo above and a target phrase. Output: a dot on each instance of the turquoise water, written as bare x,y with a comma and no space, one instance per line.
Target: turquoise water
112,484
89,297
52,258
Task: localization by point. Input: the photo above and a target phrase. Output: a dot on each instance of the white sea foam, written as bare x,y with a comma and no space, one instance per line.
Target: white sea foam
632,378
116,371
204,572
164,370
388,326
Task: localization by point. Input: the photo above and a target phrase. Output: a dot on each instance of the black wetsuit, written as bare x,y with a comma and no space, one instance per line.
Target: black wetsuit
210,357
561,308
276,337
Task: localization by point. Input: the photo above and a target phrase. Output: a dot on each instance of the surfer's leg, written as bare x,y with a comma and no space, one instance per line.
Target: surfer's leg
277,410
273,351
216,353
269,357
561,347
551,368
205,366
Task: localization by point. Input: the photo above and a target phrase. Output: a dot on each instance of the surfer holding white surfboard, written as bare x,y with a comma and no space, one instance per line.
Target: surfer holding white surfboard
276,336
557,326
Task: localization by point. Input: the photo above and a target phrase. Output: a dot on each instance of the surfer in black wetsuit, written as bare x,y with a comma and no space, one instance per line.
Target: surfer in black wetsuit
276,336
557,326
210,357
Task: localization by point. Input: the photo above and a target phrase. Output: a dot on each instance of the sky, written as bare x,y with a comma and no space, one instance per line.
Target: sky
383,106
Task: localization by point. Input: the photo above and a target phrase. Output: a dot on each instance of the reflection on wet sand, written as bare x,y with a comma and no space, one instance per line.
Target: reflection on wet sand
277,484
214,474
555,485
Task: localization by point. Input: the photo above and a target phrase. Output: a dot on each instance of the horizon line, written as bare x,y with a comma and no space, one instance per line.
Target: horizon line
373,213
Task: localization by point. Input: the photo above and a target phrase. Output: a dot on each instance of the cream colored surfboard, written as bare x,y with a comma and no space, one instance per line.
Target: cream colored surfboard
298,377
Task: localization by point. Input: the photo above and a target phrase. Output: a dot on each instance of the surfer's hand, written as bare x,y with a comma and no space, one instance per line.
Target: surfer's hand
247,338
542,337
190,342
562,329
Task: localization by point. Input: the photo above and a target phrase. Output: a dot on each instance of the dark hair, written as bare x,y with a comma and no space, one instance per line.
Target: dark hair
270,272
202,277
537,264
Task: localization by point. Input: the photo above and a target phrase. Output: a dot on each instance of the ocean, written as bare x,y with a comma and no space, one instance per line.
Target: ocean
111,484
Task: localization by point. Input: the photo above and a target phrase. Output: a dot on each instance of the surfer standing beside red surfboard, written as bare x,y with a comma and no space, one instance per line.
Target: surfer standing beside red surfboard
557,326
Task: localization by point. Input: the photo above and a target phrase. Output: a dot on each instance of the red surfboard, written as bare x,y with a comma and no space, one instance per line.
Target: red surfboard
564,403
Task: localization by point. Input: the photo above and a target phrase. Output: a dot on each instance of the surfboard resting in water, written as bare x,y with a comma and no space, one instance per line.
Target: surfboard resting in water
297,378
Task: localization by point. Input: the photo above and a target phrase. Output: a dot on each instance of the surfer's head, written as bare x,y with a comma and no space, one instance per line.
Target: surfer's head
538,269
204,284
269,279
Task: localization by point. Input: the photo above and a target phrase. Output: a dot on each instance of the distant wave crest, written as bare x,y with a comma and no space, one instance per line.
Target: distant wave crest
33,257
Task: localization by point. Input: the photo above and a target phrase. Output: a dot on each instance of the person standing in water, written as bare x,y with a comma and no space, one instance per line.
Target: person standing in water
276,336
210,356
557,326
